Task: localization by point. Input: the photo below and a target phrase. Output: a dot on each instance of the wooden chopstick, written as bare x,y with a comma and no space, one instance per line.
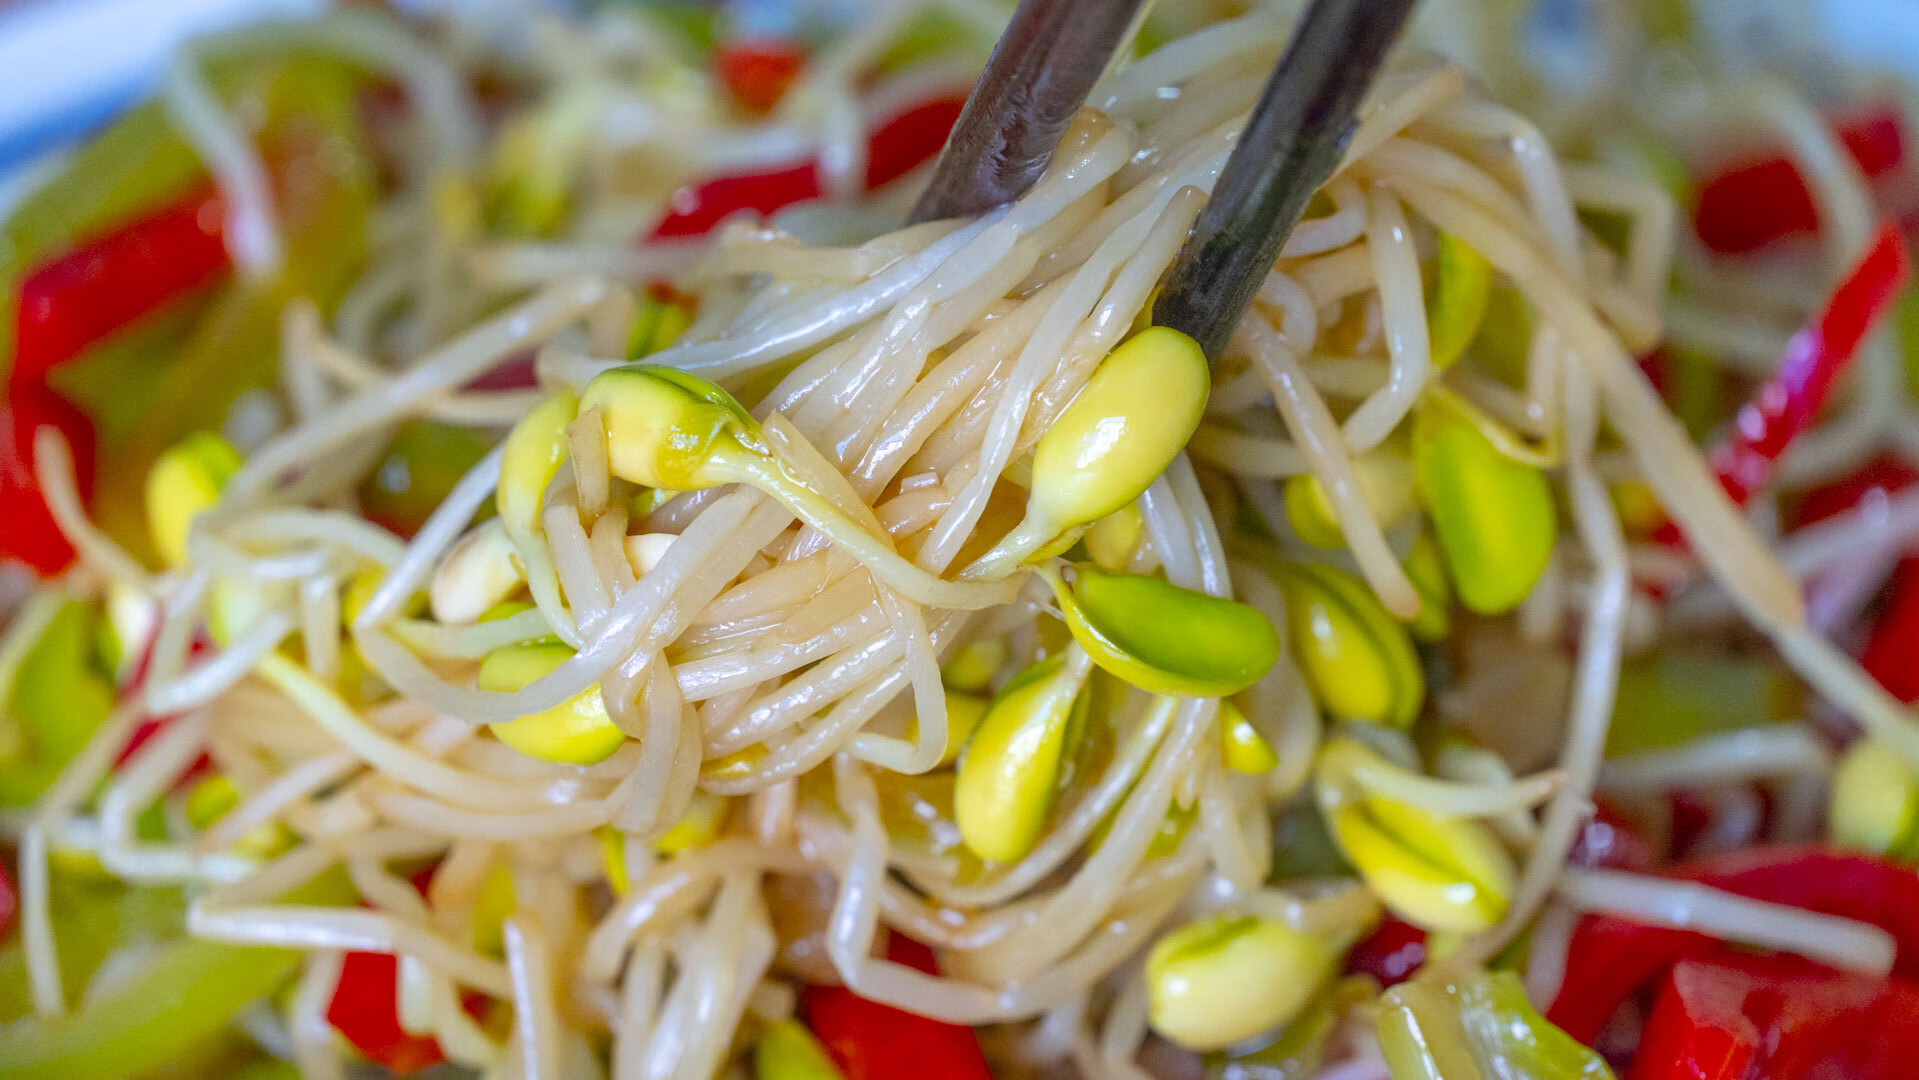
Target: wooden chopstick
1040,73
1293,141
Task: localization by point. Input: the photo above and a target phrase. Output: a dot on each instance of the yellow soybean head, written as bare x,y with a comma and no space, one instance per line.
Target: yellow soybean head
1112,539
1456,305
1385,483
1226,978
577,731
1244,749
491,908
359,593
786,1050
1875,802
233,605
1426,569
613,859
1166,839
532,453
1164,638
657,325
478,572
663,427
963,715
132,614
210,800
1638,507
1494,516
538,156
971,667
645,550
1357,659
185,482
1437,872
1126,425
704,820
1010,769
737,765
214,797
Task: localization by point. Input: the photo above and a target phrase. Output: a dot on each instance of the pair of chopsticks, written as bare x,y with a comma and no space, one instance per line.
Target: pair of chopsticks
1045,65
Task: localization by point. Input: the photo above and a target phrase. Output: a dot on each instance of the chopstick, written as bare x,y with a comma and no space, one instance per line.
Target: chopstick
1298,130
1040,73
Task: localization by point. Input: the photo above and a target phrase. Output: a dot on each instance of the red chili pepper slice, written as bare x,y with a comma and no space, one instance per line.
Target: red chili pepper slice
893,149
27,529
871,1041
1609,958
106,284
758,71
1750,205
366,1010
1815,357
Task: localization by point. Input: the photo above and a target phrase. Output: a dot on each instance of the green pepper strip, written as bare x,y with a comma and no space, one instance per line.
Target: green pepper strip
185,993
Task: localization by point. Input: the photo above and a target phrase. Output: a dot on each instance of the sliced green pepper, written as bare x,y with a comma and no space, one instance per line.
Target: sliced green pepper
60,697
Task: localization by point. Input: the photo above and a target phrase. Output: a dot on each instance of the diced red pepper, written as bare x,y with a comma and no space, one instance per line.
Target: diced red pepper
27,529
871,1041
894,149
1734,1017
1609,958
1390,954
758,71
1750,205
366,1010
106,284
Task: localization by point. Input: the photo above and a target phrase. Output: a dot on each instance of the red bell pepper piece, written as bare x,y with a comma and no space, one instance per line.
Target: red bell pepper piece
366,1006
1609,959
758,71
871,1041
1750,205
366,1010
27,529
1877,479
1390,954
894,149
108,283
1891,654
1734,1017
9,902
1609,840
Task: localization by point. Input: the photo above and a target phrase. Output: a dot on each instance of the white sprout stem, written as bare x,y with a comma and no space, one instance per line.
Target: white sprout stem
1846,944
252,228
876,555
